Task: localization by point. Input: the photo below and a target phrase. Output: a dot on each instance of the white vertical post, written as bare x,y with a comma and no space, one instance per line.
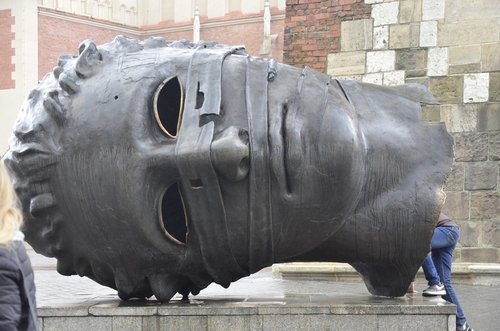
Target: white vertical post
196,25
110,10
267,19
83,7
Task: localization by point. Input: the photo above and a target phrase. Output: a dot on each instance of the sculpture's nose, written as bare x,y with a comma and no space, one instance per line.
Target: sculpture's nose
230,152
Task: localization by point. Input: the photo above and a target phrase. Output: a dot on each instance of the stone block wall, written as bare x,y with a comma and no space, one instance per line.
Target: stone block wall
452,47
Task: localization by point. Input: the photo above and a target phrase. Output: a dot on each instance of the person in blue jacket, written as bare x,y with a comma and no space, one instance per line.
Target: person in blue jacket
17,286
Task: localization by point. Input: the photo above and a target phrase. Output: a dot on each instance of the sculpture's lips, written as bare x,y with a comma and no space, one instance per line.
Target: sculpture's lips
279,137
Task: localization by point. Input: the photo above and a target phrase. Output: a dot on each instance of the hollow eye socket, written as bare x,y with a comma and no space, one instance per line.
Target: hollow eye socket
168,104
173,220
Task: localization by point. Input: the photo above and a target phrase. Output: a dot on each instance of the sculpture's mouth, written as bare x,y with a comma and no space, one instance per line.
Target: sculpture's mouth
287,150
173,219
280,141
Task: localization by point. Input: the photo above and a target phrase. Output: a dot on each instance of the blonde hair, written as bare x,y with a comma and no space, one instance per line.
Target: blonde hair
10,216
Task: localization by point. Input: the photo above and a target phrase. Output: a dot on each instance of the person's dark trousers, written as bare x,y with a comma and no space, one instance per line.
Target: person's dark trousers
443,244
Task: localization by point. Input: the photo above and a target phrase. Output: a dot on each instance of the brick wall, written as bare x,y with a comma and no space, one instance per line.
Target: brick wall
452,47
6,51
248,34
312,29
58,37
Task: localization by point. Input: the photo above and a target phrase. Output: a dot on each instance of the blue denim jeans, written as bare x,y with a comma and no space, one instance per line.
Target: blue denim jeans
437,265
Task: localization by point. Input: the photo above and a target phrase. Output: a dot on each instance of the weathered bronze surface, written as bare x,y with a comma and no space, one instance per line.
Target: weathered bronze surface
158,167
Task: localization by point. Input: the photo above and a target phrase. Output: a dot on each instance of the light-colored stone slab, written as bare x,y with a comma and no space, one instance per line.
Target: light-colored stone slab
472,254
413,323
464,69
468,33
428,34
476,87
431,113
119,308
319,322
394,78
456,178
77,323
437,61
346,63
404,35
463,273
380,61
243,323
414,34
313,308
375,78
457,205
410,11
461,10
63,311
385,13
184,323
356,35
399,36
369,2
481,176
381,37
485,205
127,323
349,77
206,310
469,233
447,89
489,117
494,86
491,234
494,148
460,118
432,9
418,80
471,147
412,61
460,55
490,57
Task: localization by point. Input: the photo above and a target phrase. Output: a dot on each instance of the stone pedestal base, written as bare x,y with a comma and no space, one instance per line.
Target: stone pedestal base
318,312
258,302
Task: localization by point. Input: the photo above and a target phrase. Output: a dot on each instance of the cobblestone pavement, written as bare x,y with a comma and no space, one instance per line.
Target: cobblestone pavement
481,304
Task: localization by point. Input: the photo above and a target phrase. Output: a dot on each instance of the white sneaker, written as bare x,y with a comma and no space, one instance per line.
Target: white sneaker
465,327
434,290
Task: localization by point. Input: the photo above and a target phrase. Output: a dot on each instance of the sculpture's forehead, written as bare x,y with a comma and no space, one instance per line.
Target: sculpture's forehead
151,63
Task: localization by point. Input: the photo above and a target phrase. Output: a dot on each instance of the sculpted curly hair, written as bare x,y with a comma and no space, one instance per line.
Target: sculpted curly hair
10,216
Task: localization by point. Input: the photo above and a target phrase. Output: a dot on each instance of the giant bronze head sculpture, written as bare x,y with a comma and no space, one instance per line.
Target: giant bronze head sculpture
158,167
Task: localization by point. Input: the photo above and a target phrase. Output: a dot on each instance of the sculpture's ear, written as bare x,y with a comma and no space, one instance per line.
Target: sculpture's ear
415,92
411,91
88,59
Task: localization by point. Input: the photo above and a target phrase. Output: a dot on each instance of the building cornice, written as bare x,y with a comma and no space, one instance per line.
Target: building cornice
148,32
